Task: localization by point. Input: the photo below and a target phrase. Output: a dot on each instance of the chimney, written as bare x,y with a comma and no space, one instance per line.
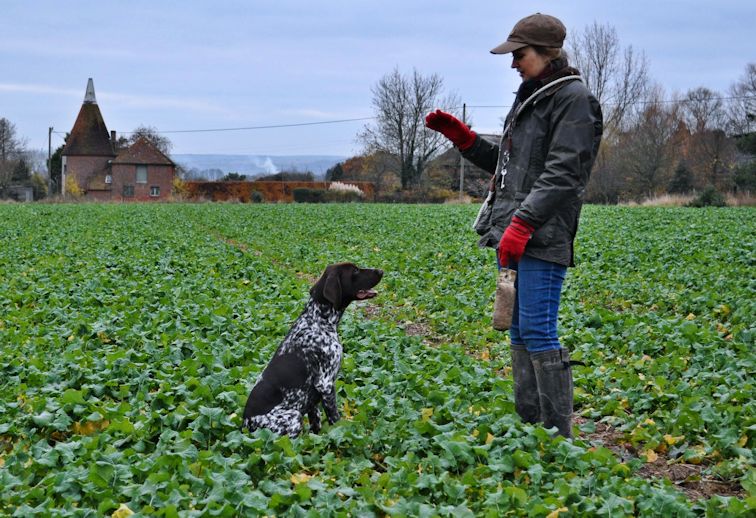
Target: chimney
112,136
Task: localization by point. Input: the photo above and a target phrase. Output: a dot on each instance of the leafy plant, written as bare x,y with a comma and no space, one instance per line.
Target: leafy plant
131,335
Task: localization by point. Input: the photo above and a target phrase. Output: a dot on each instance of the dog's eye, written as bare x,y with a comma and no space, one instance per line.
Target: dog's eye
355,272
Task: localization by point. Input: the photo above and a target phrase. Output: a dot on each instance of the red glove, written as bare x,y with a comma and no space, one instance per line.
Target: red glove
452,128
512,244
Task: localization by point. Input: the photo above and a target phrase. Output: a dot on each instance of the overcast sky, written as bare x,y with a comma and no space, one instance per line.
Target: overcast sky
184,65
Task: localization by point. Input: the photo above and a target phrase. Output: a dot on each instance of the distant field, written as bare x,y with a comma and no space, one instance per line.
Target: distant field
130,336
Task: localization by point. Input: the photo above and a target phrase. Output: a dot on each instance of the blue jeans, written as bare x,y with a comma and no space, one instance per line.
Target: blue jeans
534,318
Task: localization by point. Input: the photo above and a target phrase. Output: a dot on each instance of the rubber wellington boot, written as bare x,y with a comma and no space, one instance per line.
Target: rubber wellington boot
527,405
554,376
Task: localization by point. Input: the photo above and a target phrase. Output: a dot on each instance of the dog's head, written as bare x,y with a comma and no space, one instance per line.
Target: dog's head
344,283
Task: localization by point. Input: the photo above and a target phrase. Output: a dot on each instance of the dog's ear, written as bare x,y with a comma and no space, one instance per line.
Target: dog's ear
328,288
332,289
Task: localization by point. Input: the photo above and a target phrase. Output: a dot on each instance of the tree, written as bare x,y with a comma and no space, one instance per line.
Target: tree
234,177
161,142
711,153
703,110
334,173
11,153
741,110
10,145
682,180
379,168
21,171
401,104
39,186
648,147
55,167
618,77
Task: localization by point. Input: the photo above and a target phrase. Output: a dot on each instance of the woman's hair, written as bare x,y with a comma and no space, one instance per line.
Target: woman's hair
550,52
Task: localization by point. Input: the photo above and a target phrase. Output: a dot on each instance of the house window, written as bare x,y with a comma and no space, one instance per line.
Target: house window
141,174
128,191
154,190
108,178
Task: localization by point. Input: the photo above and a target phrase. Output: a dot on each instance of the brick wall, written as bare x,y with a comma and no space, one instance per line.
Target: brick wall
81,168
160,176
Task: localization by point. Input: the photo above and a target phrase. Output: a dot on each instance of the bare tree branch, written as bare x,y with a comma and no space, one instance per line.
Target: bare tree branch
401,104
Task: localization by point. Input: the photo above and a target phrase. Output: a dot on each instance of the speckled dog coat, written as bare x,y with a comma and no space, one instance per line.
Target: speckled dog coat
303,370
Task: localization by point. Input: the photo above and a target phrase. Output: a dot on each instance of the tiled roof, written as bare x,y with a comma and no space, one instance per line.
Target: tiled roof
89,135
142,152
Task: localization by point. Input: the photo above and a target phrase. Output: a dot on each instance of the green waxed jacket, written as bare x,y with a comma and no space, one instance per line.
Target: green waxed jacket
555,136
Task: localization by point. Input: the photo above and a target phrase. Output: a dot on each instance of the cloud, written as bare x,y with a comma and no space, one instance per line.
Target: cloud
58,50
132,101
39,89
313,113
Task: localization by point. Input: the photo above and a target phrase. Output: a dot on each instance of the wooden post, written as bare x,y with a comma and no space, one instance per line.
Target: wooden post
462,159
49,162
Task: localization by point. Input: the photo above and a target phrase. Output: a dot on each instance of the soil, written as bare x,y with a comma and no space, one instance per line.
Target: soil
691,479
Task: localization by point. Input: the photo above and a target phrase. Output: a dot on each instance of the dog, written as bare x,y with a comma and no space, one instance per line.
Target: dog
303,370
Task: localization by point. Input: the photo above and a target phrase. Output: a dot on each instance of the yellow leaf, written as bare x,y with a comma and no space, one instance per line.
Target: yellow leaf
651,456
299,478
555,512
89,427
649,421
426,413
122,512
690,316
743,440
476,432
673,440
489,438
485,355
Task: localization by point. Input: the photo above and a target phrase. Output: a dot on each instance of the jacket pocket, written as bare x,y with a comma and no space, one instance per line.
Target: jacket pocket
545,234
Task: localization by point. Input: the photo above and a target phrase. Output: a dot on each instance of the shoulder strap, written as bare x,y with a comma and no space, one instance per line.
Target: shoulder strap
543,89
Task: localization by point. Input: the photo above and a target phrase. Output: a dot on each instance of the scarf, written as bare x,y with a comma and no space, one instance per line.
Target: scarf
554,70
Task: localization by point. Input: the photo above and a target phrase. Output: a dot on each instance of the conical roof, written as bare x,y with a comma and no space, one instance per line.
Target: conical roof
89,135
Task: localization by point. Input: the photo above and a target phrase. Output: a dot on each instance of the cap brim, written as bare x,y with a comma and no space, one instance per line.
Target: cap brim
508,46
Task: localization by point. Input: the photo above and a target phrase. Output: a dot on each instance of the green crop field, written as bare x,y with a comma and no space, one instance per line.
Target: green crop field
130,336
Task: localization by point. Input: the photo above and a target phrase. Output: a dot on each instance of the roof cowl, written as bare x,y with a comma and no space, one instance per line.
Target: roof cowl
89,97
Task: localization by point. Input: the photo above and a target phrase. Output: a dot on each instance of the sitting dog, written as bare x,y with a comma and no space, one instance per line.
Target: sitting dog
303,369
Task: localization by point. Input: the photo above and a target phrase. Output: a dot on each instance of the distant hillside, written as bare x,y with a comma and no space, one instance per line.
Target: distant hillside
215,166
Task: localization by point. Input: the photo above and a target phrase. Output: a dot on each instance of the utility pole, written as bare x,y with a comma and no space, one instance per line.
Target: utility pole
49,162
461,158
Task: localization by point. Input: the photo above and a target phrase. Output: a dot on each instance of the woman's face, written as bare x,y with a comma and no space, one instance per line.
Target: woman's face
528,62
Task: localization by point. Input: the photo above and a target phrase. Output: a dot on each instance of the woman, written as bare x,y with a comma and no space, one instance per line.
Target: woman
541,168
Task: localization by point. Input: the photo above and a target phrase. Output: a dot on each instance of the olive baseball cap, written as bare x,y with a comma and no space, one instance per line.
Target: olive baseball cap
537,29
